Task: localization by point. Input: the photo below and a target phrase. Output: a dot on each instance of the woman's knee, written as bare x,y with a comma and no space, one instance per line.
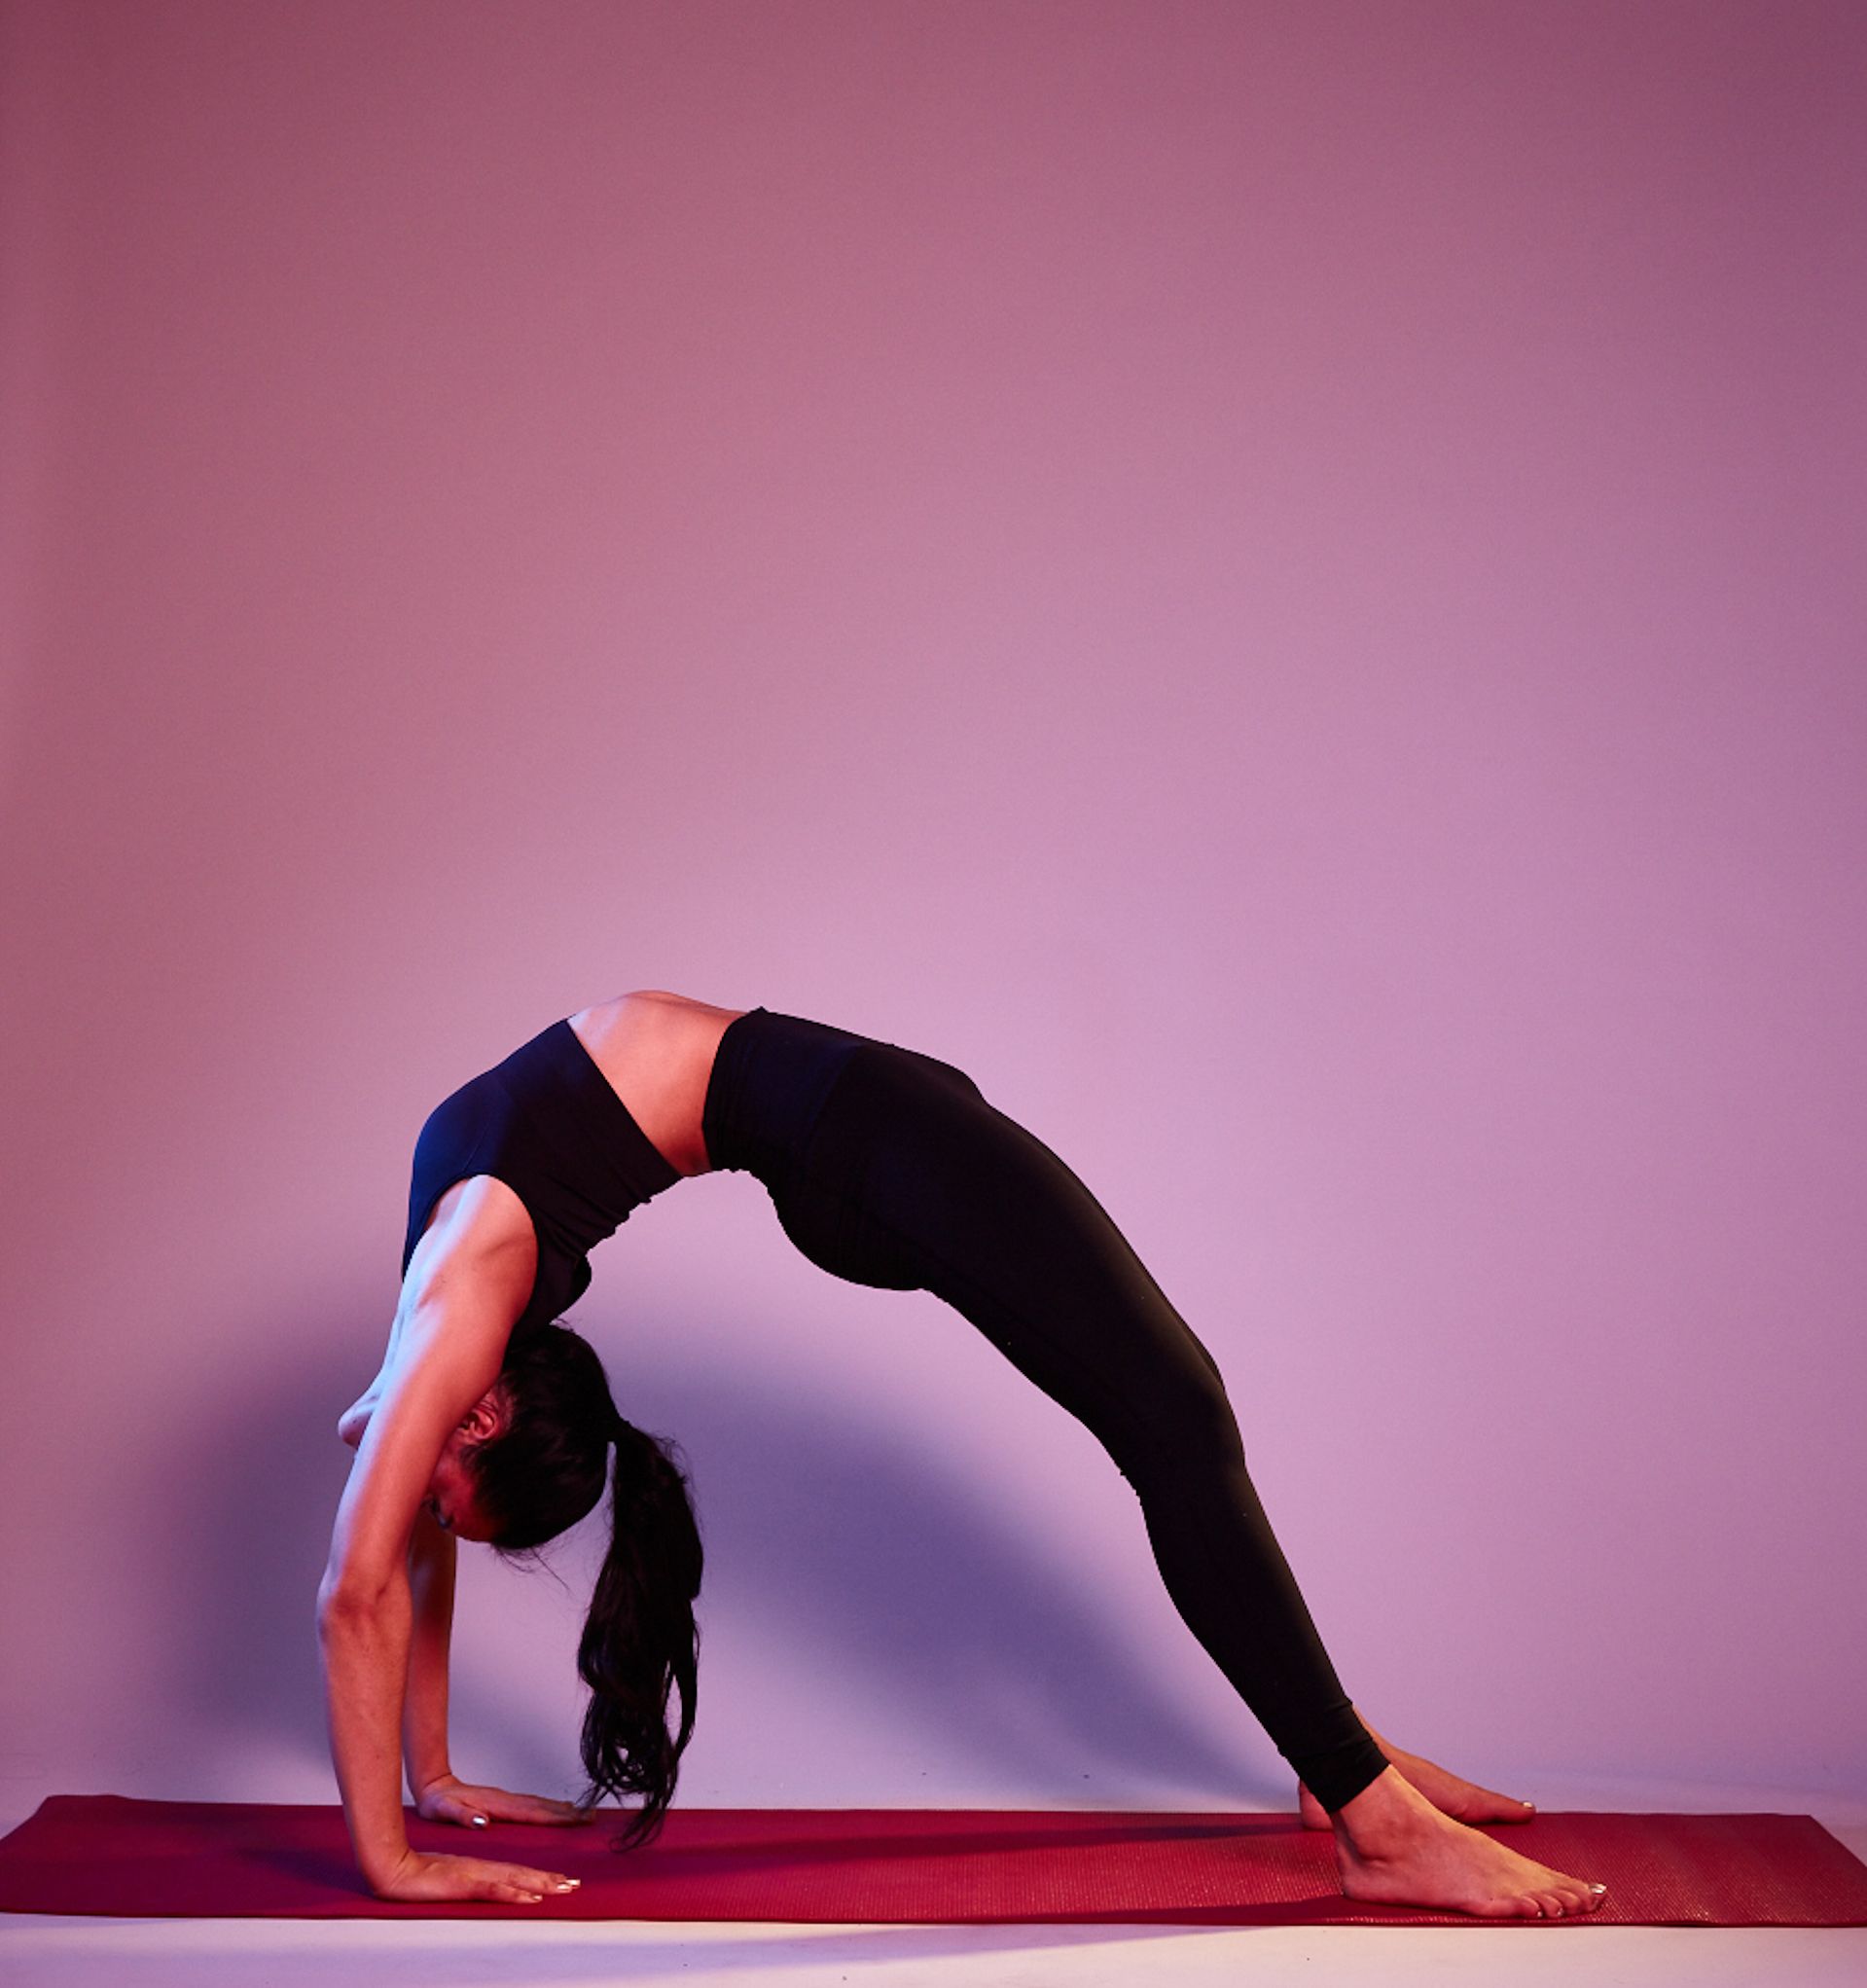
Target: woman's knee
1189,1424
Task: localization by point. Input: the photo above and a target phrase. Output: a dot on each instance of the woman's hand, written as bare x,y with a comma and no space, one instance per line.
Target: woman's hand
423,1879
446,1799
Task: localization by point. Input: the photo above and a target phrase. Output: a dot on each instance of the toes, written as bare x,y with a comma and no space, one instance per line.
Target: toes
1486,1805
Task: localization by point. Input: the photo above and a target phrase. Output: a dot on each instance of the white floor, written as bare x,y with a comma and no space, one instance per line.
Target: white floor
47,1952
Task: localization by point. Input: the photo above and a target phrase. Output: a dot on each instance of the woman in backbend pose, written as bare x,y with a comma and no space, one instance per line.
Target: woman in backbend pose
491,1422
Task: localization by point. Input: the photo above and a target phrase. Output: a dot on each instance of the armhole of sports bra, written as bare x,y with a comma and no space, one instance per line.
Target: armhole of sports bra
472,1170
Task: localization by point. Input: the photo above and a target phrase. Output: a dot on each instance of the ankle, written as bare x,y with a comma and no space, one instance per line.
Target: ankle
1388,1812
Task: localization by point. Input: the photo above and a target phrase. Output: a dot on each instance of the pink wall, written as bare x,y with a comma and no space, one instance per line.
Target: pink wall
1279,582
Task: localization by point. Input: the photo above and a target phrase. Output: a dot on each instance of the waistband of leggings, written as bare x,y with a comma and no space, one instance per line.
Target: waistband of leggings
772,1074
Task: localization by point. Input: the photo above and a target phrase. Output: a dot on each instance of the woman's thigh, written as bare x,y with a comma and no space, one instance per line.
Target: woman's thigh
925,1185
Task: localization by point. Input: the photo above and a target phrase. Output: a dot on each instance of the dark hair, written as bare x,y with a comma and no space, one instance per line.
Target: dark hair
535,1479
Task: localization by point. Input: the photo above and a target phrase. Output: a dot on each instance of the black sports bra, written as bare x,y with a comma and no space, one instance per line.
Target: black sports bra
547,1123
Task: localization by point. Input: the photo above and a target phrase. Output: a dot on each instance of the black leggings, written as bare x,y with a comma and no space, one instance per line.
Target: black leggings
889,1167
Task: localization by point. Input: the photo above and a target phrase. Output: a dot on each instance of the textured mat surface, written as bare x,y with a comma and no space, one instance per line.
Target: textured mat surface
115,1855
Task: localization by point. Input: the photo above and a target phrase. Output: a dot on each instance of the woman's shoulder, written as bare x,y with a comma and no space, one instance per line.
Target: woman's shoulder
477,1218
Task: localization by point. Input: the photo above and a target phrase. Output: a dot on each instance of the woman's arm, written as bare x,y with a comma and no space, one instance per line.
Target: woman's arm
448,1357
364,1649
431,1576
424,1714
438,1794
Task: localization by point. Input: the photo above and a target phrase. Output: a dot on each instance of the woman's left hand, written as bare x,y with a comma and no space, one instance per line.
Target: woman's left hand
451,1800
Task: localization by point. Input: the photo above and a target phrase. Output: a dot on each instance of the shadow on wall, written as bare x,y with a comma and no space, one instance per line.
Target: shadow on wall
850,1542
864,1544
256,1502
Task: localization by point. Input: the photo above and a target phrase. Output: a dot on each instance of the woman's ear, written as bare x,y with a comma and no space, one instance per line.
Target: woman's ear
486,1418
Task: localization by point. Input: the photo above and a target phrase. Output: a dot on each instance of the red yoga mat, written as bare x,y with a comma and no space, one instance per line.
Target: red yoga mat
115,1855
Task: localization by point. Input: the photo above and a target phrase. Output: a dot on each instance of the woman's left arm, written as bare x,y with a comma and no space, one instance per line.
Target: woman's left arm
436,1791
425,1708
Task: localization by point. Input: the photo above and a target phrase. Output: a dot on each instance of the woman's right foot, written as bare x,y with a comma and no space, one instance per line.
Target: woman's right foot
1394,1848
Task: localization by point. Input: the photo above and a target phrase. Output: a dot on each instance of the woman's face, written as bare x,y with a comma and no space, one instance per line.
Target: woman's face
450,1499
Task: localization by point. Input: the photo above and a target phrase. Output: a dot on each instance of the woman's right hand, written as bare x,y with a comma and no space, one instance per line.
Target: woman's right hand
423,1879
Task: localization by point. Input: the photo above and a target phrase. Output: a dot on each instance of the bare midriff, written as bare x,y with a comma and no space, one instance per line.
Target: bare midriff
657,1050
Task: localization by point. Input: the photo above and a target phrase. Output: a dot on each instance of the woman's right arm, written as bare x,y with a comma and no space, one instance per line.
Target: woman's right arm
364,1645
448,1357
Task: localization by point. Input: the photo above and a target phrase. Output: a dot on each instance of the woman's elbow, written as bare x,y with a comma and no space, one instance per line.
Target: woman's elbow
346,1596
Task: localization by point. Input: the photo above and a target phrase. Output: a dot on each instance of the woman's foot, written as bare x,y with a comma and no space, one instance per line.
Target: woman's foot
1450,1793
1394,1848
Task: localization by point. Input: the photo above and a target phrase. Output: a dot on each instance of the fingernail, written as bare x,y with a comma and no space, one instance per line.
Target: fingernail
1597,1888
569,1885
480,1822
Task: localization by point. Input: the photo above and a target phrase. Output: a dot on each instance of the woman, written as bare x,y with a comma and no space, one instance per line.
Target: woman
490,1422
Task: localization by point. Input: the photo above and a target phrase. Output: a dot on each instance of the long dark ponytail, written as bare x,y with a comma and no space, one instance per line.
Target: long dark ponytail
640,1640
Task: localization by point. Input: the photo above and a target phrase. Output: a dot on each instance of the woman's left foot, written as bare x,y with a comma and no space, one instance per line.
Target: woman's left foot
1453,1796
